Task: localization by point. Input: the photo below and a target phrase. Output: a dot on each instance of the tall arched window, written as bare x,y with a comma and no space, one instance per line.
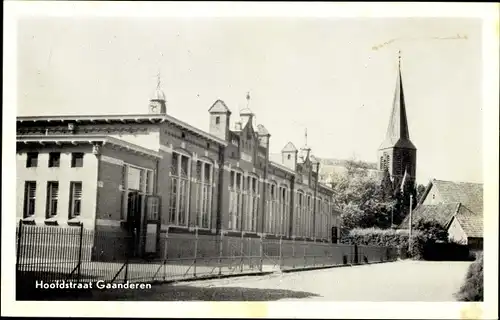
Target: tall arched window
299,203
251,203
308,216
271,207
284,211
203,180
235,200
179,192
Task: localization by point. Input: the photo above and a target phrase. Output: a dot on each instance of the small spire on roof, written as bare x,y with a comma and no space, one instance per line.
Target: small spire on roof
305,137
158,80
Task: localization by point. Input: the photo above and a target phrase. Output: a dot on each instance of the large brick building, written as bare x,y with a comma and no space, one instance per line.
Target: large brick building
144,174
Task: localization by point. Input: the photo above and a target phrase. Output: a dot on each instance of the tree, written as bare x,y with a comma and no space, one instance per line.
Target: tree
387,191
361,198
420,192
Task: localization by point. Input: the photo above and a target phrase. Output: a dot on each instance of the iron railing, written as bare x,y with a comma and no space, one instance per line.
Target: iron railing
49,253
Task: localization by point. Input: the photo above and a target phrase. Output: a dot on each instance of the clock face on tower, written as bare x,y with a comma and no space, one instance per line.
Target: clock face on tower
154,107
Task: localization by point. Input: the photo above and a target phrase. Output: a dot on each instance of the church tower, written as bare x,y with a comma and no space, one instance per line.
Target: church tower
158,102
397,153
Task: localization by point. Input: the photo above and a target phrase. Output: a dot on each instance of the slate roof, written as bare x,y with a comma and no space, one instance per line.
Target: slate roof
289,147
442,213
462,200
467,193
471,223
219,107
398,135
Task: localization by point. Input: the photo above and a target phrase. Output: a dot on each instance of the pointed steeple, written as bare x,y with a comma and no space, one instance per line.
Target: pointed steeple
398,135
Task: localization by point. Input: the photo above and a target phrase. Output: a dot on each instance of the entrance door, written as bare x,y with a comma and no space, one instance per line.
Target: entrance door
134,222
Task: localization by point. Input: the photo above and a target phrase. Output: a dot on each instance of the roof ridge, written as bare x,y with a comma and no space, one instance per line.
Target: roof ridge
457,182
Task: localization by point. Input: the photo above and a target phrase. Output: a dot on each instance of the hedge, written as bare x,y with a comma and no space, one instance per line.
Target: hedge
473,287
423,245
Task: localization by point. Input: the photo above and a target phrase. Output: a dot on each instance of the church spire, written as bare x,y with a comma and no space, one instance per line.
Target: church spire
397,134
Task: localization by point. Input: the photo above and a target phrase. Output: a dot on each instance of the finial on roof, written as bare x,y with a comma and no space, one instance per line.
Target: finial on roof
158,77
158,94
248,98
399,58
306,137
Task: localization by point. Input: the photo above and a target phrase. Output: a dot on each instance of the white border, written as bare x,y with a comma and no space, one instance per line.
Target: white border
489,14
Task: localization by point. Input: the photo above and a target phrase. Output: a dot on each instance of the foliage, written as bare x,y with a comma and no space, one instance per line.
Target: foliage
473,287
367,200
432,230
425,235
386,188
420,192
378,237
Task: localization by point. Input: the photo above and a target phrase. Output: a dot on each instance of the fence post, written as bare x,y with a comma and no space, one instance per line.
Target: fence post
304,253
19,238
165,252
261,249
129,250
241,252
221,244
281,253
80,253
195,251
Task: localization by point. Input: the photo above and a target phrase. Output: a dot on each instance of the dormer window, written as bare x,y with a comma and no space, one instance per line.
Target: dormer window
289,157
217,120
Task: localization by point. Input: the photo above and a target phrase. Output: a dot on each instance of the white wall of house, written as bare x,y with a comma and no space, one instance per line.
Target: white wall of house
433,197
63,174
456,233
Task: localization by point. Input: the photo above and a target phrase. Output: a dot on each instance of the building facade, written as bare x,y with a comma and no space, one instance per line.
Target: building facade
141,175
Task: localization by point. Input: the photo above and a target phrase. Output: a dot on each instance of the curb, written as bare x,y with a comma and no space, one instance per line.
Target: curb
222,276
332,266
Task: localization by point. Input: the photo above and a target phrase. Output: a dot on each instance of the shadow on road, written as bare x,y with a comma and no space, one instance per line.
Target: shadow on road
187,293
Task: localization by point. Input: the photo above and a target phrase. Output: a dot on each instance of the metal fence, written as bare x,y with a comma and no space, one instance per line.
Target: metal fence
49,253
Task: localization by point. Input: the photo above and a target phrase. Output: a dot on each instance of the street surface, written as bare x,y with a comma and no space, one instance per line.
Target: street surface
393,281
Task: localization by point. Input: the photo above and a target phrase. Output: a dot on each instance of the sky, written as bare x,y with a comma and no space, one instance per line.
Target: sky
326,75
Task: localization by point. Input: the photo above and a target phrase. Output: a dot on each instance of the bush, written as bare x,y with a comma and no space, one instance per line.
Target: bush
426,242
472,288
388,238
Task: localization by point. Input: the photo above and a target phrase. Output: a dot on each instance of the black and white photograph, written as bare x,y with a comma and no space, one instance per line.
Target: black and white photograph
251,157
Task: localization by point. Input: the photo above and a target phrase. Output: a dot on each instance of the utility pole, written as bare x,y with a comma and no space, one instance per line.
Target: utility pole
392,216
410,220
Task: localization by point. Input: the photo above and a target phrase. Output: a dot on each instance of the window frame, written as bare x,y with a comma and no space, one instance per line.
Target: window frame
32,159
72,199
27,199
76,156
54,156
50,212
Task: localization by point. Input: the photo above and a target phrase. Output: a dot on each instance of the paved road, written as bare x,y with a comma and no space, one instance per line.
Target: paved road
396,281
393,281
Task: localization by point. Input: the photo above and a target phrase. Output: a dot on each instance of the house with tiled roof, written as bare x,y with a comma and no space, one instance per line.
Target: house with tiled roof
458,206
